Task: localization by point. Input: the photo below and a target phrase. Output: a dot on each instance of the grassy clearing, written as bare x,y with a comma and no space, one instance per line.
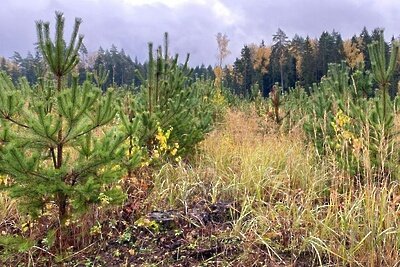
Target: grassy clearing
291,207
290,204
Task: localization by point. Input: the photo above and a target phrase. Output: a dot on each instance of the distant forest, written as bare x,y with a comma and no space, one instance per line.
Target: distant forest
301,61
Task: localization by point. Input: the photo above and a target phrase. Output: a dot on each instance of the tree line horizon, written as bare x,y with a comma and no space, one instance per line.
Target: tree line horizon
287,62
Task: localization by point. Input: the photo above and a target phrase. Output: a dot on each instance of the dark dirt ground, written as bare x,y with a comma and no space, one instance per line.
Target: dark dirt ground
201,235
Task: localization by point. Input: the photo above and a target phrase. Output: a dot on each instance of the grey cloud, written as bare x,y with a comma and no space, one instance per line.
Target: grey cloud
192,26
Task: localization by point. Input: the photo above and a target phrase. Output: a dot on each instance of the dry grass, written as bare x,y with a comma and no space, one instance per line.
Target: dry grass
290,202
8,209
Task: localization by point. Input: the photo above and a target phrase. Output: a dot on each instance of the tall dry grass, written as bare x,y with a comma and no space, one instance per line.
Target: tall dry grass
291,203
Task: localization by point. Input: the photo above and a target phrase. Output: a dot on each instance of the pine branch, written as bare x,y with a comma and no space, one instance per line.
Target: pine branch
53,156
80,134
7,117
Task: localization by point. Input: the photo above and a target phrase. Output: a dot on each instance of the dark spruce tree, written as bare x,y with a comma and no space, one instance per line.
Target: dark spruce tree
244,72
308,65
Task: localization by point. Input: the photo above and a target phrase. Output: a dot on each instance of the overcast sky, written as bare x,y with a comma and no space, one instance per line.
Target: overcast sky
192,24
